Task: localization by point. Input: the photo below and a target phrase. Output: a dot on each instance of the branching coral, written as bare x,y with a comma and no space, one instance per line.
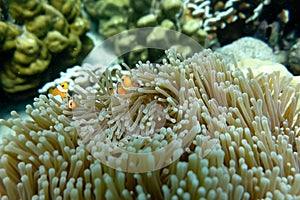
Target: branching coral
275,22
219,13
36,38
228,19
247,145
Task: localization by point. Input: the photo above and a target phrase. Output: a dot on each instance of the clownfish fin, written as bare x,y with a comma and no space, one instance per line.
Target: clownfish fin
58,98
135,84
111,91
50,91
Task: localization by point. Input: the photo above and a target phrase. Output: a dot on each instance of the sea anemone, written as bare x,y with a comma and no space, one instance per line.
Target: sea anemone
239,136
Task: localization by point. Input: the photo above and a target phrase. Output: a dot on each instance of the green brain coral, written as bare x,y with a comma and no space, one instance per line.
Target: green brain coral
247,143
41,37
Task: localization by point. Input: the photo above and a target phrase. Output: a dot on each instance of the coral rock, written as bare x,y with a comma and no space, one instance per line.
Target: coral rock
294,57
247,47
42,29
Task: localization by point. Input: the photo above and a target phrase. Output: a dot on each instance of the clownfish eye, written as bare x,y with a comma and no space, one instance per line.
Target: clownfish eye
72,104
64,85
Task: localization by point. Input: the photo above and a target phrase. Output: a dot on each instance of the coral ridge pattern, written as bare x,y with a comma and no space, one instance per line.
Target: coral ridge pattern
38,39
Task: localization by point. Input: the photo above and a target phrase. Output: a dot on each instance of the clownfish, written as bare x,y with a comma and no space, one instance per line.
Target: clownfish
127,82
61,90
126,85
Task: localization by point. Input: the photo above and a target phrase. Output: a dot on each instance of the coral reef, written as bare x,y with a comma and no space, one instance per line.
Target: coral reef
275,22
211,23
294,57
227,19
39,39
192,17
247,143
116,16
281,23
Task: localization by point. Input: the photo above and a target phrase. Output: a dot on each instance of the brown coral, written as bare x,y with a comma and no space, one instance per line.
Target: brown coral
51,30
252,118
117,16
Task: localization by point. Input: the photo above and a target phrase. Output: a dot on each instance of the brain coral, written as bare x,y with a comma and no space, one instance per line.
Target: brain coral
38,38
247,145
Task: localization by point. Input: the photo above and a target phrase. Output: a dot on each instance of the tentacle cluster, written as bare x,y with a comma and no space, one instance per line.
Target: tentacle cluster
238,136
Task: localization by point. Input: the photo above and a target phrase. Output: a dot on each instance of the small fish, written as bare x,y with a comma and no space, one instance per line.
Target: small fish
61,90
120,89
127,82
60,93
126,85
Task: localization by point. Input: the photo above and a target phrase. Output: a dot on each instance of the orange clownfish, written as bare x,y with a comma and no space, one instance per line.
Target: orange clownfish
126,85
61,90
127,82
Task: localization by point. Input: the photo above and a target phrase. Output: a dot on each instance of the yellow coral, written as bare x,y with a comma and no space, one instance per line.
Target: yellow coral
8,34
